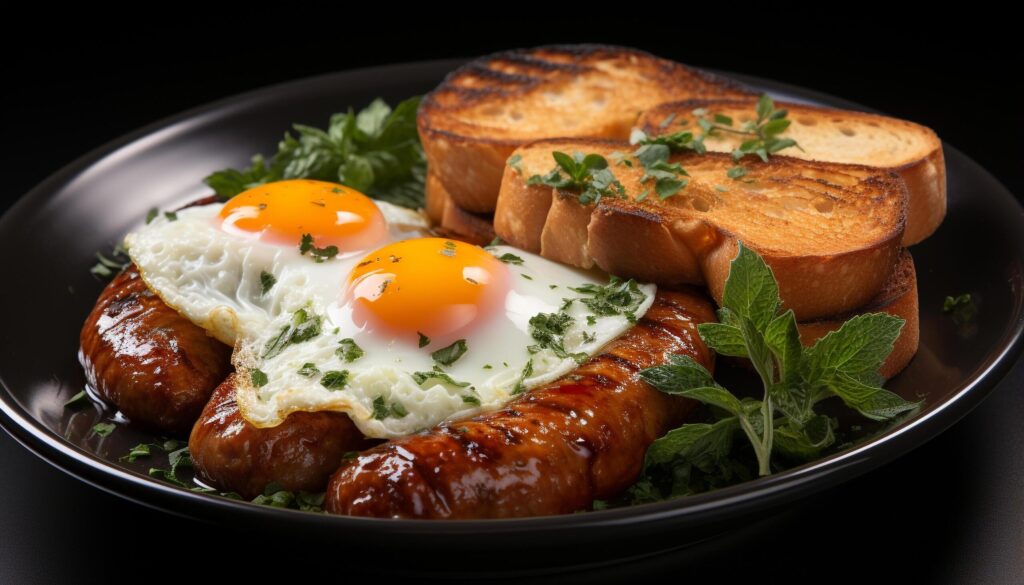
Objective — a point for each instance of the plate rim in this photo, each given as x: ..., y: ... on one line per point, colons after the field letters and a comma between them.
x: 717, y: 505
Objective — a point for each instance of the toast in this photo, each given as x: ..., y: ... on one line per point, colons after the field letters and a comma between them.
x: 898, y: 297
x: 482, y: 111
x: 831, y: 233
x: 840, y: 136
x: 452, y: 219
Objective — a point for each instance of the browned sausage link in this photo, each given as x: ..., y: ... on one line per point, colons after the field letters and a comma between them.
x: 144, y: 357
x: 298, y: 454
x: 553, y: 451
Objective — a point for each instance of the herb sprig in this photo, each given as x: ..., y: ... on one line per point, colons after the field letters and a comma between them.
x: 589, y: 174
x: 376, y: 151
x: 783, y: 422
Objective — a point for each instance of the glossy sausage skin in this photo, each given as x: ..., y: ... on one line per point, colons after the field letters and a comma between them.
x: 142, y: 356
x: 299, y: 454
x: 552, y: 451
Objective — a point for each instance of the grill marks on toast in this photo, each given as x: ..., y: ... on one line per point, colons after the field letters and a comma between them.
x: 482, y: 111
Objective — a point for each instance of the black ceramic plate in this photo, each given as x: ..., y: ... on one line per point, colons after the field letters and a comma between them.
x: 49, y: 237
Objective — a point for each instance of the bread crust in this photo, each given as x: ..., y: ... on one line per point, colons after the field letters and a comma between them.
x: 652, y: 243
x: 467, y: 149
x: 452, y: 219
x: 922, y: 166
x: 898, y: 297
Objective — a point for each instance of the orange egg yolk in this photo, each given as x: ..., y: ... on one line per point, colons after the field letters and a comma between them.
x: 430, y: 286
x: 283, y: 211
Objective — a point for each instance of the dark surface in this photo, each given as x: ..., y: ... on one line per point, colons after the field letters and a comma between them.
x: 953, y: 507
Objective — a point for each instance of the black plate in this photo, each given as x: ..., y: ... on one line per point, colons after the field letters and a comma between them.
x: 50, y: 236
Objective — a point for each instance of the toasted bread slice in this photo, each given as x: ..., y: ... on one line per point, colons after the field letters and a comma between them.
x: 452, y: 219
x: 830, y: 232
x: 471, y: 123
x: 841, y: 136
x: 898, y: 297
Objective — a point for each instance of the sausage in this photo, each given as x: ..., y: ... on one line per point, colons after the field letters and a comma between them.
x: 552, y: 451
x: 299, y: 454
x: 142, y: 356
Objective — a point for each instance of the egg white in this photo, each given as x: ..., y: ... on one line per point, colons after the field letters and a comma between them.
x: 494, y: 365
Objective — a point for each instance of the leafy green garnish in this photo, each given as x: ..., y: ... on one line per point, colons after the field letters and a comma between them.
x: 276, y: 496
x: 109, y: 267
x: 548, y: 330
x: 77, y: 401
x: 382, y: 410
x: 178, y: 459
x: 509, y: 258
x: 447, y: 356
x: 784, y: 423
x: 319, y: 254
x: 376, y: 151
x: 349, y: 351
x: 520, y: 386
x: 618, y: 297
x: 763, y: 132
x: 302, y: 328
x: 961, y: 308
x: 259, y: 378
x: 104, y: 429
x: 334, y: 379
x: 424, y: 340
x: 588, y: 174
x: 308, y: 370
x: 140, y: 450
x: 267, y: 282
x: 438, y: 376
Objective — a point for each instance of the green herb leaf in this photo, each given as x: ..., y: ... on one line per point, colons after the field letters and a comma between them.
x: 308, y: 370
x: 509, y: 258
x: 77, y: 401
x: 750, y: 289
x: 424, y: 340
x: 319, y: 254
x: 447, y: 356
x: 267, y: 282
x: 259, y: 379
x: 103, y: 429
x: 303, y: 327
x: 334, y: 379
x: 436, y: 376
x: 349, y: 351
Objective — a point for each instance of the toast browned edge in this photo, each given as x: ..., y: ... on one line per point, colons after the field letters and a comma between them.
x: 470, y: 167
x: 925, y: 178
x: 632, y: 240
x: 898, y: 297
x: 451, y: 220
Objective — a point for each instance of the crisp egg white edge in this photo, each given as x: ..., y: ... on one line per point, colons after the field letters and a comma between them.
x: 223, y: 322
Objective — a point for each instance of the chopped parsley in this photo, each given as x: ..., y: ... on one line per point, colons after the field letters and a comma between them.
x: 302, y: 328
x: 318, y: 254
x: 447, y: 356
x: 349, y: 351
x: 618, y: 297
x: 509, y: 258
x: 520, y: 386
x: 259, y: 379
x: 308, y: 370
x: 334, y: 379
x: 423, y: 377
x: 589, y: 174
x: 424, y: 340
x: 267, y: 282
x: 382, y: 410
x: 104, y: 429
x: 77, y: 401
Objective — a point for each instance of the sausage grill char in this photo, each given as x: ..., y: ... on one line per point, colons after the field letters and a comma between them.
x: 552, y: 451
x: 153, y: 364
x: 299, y: 454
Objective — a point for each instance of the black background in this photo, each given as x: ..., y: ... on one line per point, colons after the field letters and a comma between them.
x: 950, y: 512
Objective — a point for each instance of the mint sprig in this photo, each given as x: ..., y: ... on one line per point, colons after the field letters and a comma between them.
x: 842, y: 364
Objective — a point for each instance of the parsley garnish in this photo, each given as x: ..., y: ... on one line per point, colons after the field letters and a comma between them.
x: 844, y: 364
x: 334, y: 379
x: 276, y: 496
x: 308, y: 370
x: 763, y: 132
x: 423, y: 377
x: 112, y: 266
x: 151, y: 215
x: 514, y: 160
x: 318, y: 254
x: 77, y: 401
x: 447, y: 356
x: 961, y: 308
x: 267, y: 282
x: 548, y: 330
x: 509, y: 258
x: 171, y: 216
x: 376, y: 151
x: 348, y: 350
x: 104, y: 429
x: 381, y: 409
x: 588, y: 174
x: 424, y: 340
x: 520, y: 386
x: 618, y: 297
x: 302, y: 328
x: 259, y: 378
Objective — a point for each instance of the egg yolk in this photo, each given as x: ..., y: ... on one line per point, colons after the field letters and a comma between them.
x: 282, y: 212
x: 430, y: 286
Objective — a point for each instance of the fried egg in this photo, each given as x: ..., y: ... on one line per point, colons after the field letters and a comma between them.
x: 335, y: 302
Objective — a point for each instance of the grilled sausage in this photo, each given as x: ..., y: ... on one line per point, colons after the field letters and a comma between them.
x: 552, y: 451
x: 298, y: 454
x: 153, y: 364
